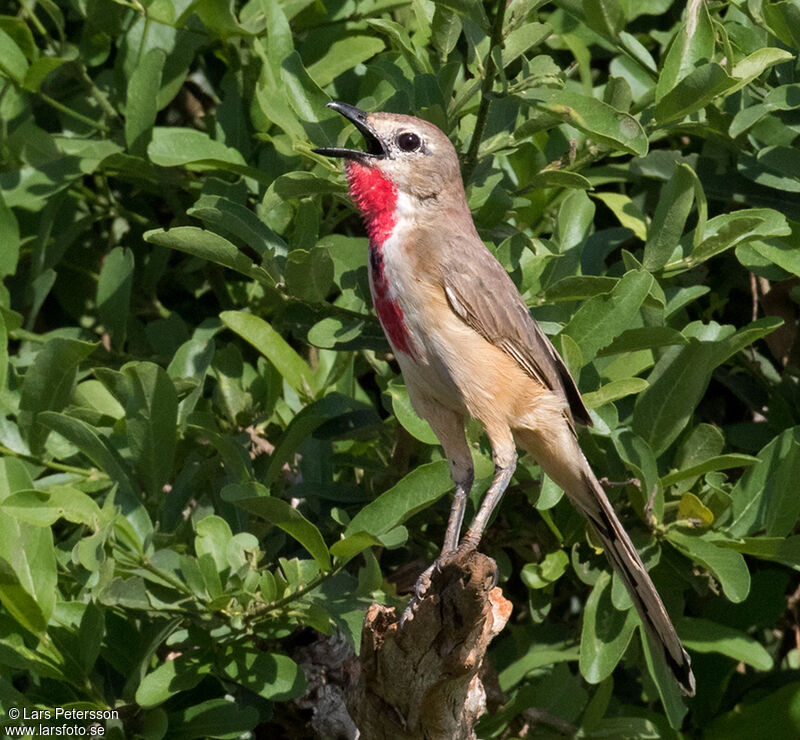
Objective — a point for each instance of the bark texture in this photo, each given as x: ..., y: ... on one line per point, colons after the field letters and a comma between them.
x: 422, y: 681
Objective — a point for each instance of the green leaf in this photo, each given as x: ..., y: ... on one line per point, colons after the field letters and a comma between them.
x: 226, y: 215
x: 3, y: 353
x: 347, y: 334
x: 255, y: 498
x: 692, y: 46
x: 784, y: 550
x: 446, y: 29
x: 212, y: 541
x: 346, y: 549
x: 9, y: 237
x: 342, y: 55
x: 704, y: 636
x: 701, y: 86
x: 114, y: 293
x: 626, y: 211
x: 309, y: 274
x: 521, y: 39
x: 408, y: 418
x: 294, y: 185
x: 604, y: 16
x: 559, y: 179
x: 579, y: 287
x: 13, y: 63
x: 89, y: 442
x: 727, y: 566
x: 729, y: 229
x: 182, y: 673
x: 27, y: 557
x: 151, y: 418
x: 413, y: 493
x: 43, y: 508
x: 680, y: 377
x: 209, y: 246
x: 785, y: 254
x: 671, y: 698
x: 305, y: 96
x: 271, y: 676
x: 48, y: 386
x: 532, y: 655
x: 763, y: 498
x: 472, y: 9
x: 401, y: 42
x: 753, y: 65
x: 273, y: 346
x: 606, y: 632
x: 669, y: 220
x: 91, y: 634
x: 332, y: 407
x: 173, y: 146
x: 771, y: 167
x: 547, y: 572
x: 141, y: 103
x: 23, y: 607
x: 640, y: 459
x: 720, y: 462
x: 613, y: 391
x: 776, y: 715
x: 605, y: 125
x: 643, y: 337
x: 218, y: 718
x: 602, y: 318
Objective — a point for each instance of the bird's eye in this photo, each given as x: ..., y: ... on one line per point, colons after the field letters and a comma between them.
x: 408, y: 142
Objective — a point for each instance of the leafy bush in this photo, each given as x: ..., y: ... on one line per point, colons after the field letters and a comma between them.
x: 208, y: 453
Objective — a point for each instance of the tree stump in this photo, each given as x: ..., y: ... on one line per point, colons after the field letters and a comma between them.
x: 422, y: 680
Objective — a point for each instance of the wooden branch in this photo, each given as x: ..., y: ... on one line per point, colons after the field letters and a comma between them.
x: 422, y: 680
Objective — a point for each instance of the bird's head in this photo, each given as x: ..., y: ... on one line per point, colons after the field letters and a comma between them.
x: 413, y: 155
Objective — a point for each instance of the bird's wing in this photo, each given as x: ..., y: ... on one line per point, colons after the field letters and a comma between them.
x: 482, y: 294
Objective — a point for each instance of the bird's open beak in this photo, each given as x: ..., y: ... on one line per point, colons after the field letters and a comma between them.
x: 375, y: 148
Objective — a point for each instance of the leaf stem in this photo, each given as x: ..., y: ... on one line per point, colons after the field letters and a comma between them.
x: 260, y: 610
x: 495, y: 43
x: 73, y: 114
x: 86, y: 472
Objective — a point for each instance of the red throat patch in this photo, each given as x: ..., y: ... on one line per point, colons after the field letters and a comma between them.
x: 376, y: 198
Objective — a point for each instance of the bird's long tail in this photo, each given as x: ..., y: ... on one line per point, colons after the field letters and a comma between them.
x: 587, y: 495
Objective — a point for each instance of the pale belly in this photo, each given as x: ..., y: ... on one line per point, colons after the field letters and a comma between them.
x: 411, y: 315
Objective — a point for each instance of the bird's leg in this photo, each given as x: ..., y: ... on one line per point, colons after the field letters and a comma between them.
x: 503, y: 470
x: 454, y: 522
x: 457, y: 509
x: 448, y: 427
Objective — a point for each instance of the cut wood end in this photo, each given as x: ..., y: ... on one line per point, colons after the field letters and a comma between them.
x: 422, y: 680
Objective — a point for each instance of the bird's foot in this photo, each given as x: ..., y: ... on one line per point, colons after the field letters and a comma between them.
x: 423, y: 584
x: 420, y: 589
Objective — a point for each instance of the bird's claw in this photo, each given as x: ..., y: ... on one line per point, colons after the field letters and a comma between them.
x: 420, y: 589
x: 423, y: 583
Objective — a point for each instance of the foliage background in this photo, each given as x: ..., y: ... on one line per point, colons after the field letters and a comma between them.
x: 208, y: 454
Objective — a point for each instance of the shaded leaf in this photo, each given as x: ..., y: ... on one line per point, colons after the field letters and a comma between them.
x: 256, y: 499
x: 416, y: 491
x: 727, y: 566
x: 606, y: 633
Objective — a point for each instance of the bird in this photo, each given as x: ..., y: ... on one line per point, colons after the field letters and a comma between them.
x: 467, y: 346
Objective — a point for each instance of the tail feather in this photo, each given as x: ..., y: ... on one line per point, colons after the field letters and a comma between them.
x: 560, y: 456
x: 625, y: 560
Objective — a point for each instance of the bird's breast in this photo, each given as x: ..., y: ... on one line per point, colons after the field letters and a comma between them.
x: 413, y: 311
x: 387, y: 303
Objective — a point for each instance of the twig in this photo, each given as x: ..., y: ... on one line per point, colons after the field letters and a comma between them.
x: 488, y: 81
